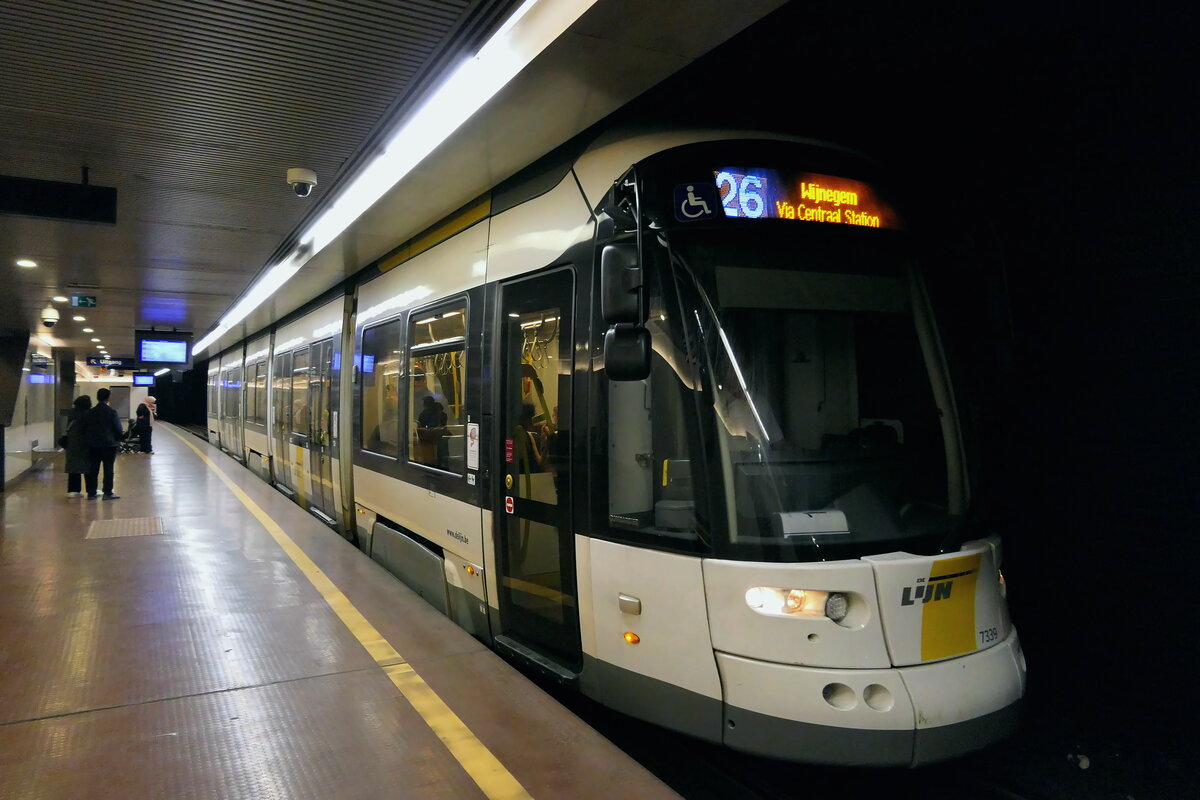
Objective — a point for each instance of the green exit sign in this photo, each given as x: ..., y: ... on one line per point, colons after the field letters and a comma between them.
x: 83, y: 301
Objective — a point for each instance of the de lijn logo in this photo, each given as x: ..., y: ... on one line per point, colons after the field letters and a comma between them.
x: 935, y: 588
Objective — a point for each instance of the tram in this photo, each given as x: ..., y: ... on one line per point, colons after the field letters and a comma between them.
x: 671, y: 421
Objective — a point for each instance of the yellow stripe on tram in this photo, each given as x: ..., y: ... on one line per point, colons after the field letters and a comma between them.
x: 948, y: 621
x: 493, y: 779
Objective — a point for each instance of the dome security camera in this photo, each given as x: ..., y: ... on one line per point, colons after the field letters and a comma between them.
x: 302, y: 181
x: 49, y: 316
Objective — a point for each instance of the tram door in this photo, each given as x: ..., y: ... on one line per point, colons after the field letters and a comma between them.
x: 534, y: 538
x: 320, y: 442
x: 300, y: 422
x: 281, y: 394
x: 235, y: 413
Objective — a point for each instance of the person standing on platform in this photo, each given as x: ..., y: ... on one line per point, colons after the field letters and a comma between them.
x: 102, y: 431
x: 78, y: 461
x: 144, y: 425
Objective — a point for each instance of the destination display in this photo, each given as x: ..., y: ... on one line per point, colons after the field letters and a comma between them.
x: 162, y: 351
x: 154, y: 349
x: 759, y: 193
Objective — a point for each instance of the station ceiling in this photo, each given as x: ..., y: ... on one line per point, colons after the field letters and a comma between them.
x: 194, y: 111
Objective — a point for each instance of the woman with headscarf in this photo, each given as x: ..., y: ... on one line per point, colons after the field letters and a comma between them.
x: 78, y: 452
x: 144, y: 425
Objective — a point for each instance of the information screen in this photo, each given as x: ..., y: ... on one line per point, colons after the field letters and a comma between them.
x: 164, y: 351
x: 760, y: 193
x: 143, y: 380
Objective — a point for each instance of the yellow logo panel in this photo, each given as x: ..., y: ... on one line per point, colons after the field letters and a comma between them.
x: 948, y: 616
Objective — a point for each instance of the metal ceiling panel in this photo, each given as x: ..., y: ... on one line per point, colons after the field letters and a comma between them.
x: 194, y: 111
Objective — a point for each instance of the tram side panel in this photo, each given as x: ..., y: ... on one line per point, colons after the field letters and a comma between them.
x: 645, y: 630
x: 416, y: 398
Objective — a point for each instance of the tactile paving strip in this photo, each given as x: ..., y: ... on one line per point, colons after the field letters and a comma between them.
x: 134, y: 526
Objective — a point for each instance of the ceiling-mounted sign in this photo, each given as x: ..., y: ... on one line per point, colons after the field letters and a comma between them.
x: 110, y: 363
x: 162, y: 349
x: 83, y: 301
x: 78, y: 202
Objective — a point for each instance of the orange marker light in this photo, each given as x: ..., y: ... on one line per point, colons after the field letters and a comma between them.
x: 632, y: 637
x: 470, y: 570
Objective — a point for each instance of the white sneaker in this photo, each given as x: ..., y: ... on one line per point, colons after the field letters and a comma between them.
x: 74, y: 494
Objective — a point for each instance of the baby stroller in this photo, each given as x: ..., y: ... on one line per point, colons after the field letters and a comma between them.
x: 131, y: 442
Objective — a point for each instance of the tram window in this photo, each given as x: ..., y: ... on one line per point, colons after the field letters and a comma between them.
x: 436, y: 405
x: 319, y: 391
x: 232, y: 408
x: 260, y: 402
x: 227, y: 404
x: 650, y: 475
x: 540, y: 443
x: 281, y: 391
x: 379, y: 372
x: 256, y: 388
x: 212, y: 394
x: 250, y: 387
x: 300, y: 411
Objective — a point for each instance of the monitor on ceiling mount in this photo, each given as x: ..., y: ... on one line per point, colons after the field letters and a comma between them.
x: 154, y: 349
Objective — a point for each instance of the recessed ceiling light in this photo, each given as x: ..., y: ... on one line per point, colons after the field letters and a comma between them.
x: 26, y: 263
x: 101, y: 347
x: 78, y: 318
x: 95, y: 339
x: 89, y: 330
x: 58, y: 298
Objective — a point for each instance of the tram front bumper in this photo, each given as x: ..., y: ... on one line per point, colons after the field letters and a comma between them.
x: 891, y: 717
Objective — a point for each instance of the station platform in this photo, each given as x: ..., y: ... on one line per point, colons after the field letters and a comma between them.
x: 203, y: 637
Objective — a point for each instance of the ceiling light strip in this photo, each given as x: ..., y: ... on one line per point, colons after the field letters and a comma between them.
x: 528, y: 32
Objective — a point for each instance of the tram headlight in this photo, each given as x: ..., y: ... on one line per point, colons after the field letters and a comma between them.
x: 772, y: 601
x: 837, y: 606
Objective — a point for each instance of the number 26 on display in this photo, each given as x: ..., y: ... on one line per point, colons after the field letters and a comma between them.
x: 741, y: 195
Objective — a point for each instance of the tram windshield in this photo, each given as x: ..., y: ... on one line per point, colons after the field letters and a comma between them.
x: 831, y: 442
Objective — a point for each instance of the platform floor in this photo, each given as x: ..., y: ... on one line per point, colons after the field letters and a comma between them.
x: 183, y: 652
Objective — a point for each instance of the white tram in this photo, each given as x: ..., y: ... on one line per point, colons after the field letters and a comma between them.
x: 673, y: 423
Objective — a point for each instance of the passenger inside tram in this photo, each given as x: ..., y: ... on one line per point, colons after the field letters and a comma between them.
x: 542, y: 381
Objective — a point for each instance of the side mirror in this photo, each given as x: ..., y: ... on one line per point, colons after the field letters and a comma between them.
x: 621, y: 285
x: 627, y: 353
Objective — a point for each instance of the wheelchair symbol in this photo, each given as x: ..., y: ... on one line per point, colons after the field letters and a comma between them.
x: 695, y: 201
x: 694, y: 207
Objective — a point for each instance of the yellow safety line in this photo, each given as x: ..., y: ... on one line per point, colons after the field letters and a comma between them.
x: 493, y: 779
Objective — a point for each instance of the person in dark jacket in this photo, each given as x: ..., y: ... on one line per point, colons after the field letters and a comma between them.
x: 78, y: 461
x: 144, y: 426
x: 103, y: 432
